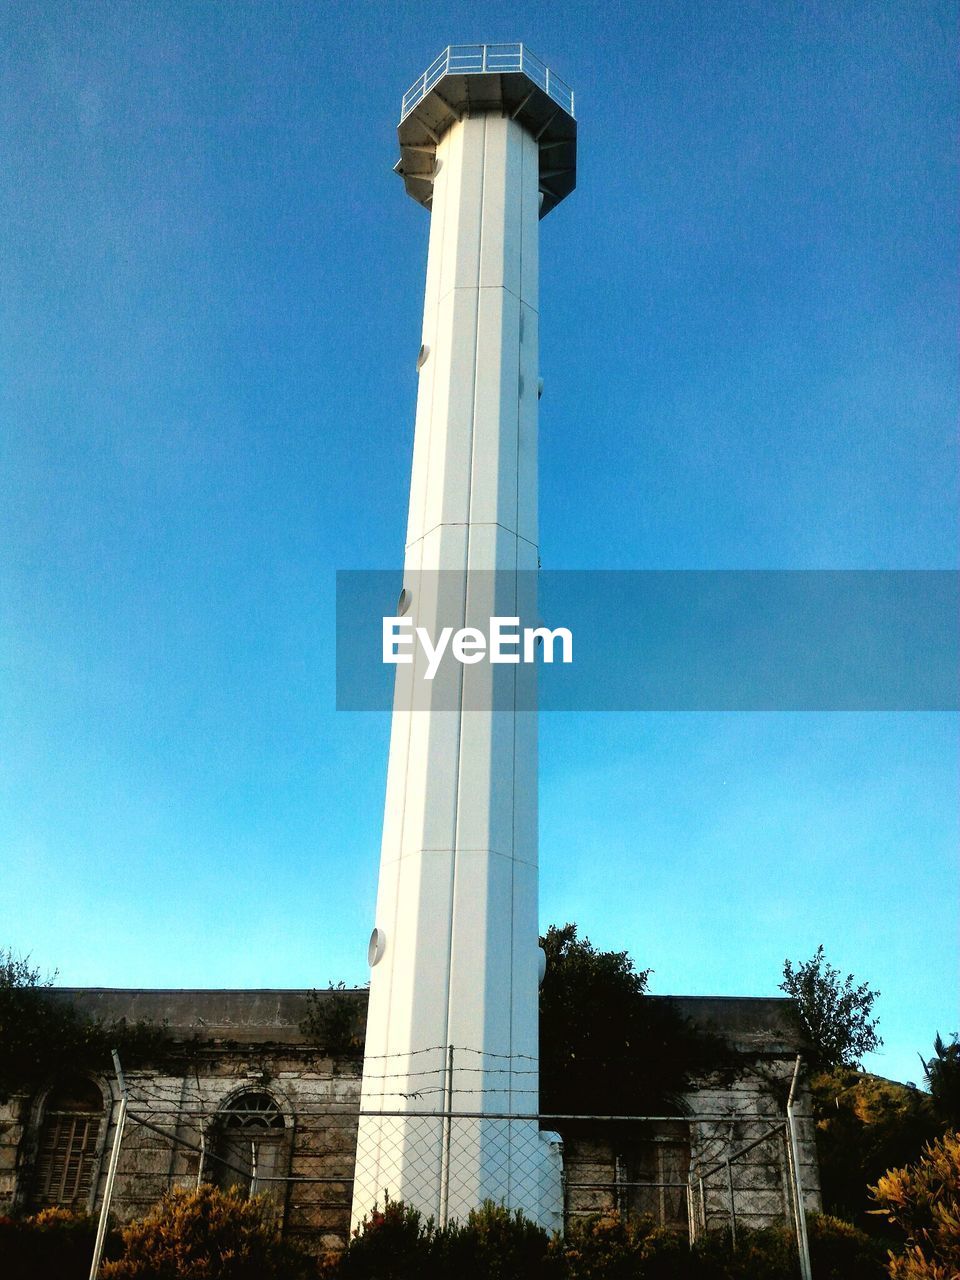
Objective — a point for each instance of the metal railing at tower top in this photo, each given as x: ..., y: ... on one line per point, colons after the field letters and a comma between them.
x: 487, y: 59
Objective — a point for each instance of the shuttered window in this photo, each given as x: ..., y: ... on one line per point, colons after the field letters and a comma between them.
x: 69, y: 1141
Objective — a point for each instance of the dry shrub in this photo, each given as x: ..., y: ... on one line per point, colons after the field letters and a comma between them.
x: 206, y: 1234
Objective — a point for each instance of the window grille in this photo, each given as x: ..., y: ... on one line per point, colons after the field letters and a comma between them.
x: 652, y: 1178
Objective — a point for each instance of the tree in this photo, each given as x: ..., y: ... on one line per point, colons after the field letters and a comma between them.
x: 38, y: 1035
x: 833, y: 1015
x: 865, y: 1125
x: 923, y: 1200
x: 42, y: 1036
x: 943, y: 1080
x: 605, y: 1045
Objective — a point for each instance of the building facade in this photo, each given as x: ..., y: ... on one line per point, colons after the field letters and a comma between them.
x: 246, y: 1098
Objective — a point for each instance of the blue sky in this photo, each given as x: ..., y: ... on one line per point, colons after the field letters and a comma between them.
x: 209, y: 316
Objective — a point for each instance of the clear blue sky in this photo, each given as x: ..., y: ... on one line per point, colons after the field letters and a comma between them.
x: 209, y: 316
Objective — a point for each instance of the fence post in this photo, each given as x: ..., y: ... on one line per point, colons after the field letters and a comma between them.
x: 691, y: 1221
x: 733, y: 1210
x: 786, y: 1175
x: 447, y: 1136
x: 803, y: 1246
x: 111, y: 1170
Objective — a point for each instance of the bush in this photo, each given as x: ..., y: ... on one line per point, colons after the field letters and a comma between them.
x: 841, y: 1251
x: 335, y: 1021
x: 495, y: 1244
x: 923, y: 1200
x: 205, y: 1235
x: 398, y: 1243
x: 56, y: 1242
x: 209, y: 1235
x: 610, y: 1248
x: 605, y: 1248
x: 769, y: 1253
x: 395, y: 1243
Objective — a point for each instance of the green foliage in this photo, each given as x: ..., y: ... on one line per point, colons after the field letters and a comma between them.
x: 865, y: 1125
x: 334, y: 1021
x: 838, y: 1251
x: 605, y: 1046
x: 943, y: 1080
x: 611, y: 1248
x: 206, y: 1235
x: 769, y: 1253
x: 494, y: 1244
x: 56, y: 1242
x: 841, y: 1251
x: 398, y: 1243
x: 42, y: 1036
x: 395, y: 1243
x: 923, y: 1201
x: 833, y: 1015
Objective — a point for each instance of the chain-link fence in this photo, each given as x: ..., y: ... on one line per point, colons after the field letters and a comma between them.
x: 302, y: 1150
x: 445, y: 1163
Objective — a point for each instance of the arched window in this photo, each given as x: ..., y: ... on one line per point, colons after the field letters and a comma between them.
x: 248, y: 1137
x: 69, y: 1144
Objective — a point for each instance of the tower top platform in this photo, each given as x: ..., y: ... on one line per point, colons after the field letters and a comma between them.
x: 471, y: 79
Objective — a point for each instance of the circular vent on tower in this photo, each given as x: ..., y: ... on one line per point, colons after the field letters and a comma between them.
x: 378, y: 944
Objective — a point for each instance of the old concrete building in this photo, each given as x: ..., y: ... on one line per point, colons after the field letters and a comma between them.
x: 727, y: 1159
x: 243, y: 1098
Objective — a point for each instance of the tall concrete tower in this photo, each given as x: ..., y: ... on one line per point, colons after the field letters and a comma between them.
x: 450, y: 1078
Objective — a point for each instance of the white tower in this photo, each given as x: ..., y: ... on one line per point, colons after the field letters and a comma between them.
x: 488, y: 144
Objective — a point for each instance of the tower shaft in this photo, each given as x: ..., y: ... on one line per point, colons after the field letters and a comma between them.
x: 451, y: 1041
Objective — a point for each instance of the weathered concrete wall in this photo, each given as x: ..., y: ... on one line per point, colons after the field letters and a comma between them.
x: 318, y: 1099
x: 13, y: 1149
x: 755, y: 1104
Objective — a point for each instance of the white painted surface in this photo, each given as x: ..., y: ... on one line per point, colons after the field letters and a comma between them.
x: 457, y: 897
